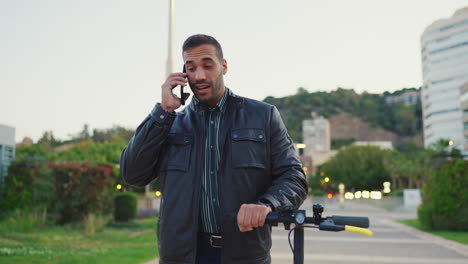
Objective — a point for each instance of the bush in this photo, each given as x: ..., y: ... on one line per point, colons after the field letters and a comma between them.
x: 29, y: 188
x: 444, y: 198
x: 82, y: 189
x: 70, y: 191
x: 125, y: 206
x: 318, y: 193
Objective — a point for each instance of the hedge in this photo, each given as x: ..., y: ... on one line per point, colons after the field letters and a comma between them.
x: 445, y: 199
x: 126, y: 206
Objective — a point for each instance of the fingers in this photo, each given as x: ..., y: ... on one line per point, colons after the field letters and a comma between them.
x: 175, y: 79
x: 251, y: 216
x: 169, y: 101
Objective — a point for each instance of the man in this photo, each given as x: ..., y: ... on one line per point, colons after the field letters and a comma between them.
x: 223, y: 155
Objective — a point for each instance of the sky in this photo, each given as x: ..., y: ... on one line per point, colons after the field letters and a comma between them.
x: 67, y: 63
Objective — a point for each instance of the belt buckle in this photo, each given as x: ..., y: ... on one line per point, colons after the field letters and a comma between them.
x: 212, y: 242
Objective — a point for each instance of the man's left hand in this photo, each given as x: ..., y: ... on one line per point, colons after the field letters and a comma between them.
x: 251, y: 215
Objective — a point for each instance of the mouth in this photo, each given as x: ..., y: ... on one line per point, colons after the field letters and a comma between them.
x: 202, y: 87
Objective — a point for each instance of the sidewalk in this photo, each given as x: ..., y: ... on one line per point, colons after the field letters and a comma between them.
x: 392, y: 242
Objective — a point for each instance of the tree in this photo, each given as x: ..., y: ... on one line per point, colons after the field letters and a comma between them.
x: 358, y: 167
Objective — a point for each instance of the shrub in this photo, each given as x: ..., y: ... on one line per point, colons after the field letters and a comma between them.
x: 444, y: 197
x: 125, y: 206
x: 70, y: 191
x: 82, y: 189
x: 318, y: 193
x: 29, y: 188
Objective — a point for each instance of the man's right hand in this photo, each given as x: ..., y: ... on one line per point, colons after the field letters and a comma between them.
x: 170, y: 101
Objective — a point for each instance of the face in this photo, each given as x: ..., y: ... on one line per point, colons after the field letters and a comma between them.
x: 205, y: 73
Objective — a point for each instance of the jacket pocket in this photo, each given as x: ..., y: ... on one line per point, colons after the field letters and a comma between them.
x: 177, y: 156
x: 248, y: 148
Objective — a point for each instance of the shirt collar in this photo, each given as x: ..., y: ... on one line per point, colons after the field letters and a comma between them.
x: 221, y: 105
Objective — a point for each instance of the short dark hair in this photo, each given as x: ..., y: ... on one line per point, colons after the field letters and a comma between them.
x: 201, y: 39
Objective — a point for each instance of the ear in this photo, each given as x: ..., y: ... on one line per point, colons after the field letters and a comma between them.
x: 225, y: 67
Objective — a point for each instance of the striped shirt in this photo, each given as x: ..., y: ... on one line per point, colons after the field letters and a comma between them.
x: 210, y: 208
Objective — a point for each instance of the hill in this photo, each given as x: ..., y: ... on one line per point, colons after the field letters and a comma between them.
x: 403, y: 121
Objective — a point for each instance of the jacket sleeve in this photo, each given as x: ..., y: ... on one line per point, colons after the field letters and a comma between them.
x: 289, y: 187
x: 140, y: 158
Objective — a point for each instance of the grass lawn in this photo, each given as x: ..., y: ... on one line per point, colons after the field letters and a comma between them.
x: 457, y: 236
x: 134, y: 242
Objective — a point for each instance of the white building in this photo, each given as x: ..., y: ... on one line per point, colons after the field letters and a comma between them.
x: 380, y: 144
x: 464, y: 108
x: 407, y: 98
x: 445, y: 69
x: 316, y: 135
x: 7, y: 150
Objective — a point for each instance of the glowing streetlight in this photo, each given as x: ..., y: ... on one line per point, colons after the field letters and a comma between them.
x: 118, y: 187
x: 358, y: 195
x: 366, y: 194
x: 300, y: 146
x: 376, y: 195
x: 157, y: 193
x: 349, y: 196
x: 326, y: 179
x: 386, y: 186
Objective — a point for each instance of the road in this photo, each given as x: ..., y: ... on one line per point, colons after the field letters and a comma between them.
x: 391, y: 243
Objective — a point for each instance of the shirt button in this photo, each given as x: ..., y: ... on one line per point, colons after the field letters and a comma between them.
x: 260, y: 136
x: 212, y: 172
x: 235, y: 136
x: 212, y: 122
x: 161, y: 116
x: 211, y: 147
x: 214, y: 200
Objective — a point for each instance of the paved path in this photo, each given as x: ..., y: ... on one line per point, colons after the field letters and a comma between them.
x: 391, y: 243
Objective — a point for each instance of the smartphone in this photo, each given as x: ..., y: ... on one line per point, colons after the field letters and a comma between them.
x: 182, y: 97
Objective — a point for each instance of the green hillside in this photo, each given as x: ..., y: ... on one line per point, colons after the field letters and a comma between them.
x: 398, y: 118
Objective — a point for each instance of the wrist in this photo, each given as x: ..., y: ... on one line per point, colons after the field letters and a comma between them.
x: 167, y: 108
x: 266, y: 203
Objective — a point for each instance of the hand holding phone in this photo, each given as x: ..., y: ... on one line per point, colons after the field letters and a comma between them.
x: 170, y: 101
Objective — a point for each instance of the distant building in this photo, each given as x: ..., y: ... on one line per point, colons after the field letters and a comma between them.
x: 380, y: 144
x: 27, y: 141
x: 444, y: 50
x: 407, y: 98
x: 316, y: 134
x: 316, y: 137
x: 464, y: 108
x: 7, y: 150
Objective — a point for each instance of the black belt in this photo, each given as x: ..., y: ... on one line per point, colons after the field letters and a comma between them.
x: 215, y: 240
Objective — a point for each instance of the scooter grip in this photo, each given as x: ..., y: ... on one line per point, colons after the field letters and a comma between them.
x: 351, y: 220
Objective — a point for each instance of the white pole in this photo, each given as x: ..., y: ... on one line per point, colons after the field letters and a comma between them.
x: 169, y: 66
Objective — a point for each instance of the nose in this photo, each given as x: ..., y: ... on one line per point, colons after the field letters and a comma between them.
x: 200, y: 75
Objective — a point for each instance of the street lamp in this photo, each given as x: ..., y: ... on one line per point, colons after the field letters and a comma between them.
x: 301, y: 148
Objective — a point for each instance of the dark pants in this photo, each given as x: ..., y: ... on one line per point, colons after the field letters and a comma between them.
x: 206, y: 254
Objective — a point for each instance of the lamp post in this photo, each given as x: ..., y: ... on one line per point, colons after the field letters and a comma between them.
x: 301, y: 148
x: 169, y: 65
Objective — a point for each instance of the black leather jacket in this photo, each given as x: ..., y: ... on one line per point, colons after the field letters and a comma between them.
x: 258, y: 161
